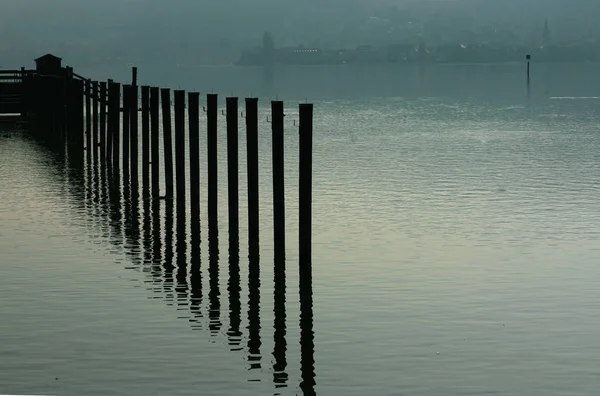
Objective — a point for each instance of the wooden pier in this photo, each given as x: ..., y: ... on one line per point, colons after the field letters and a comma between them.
x: 94, y: 124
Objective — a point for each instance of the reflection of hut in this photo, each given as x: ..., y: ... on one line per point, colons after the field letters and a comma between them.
x: 48, y: 64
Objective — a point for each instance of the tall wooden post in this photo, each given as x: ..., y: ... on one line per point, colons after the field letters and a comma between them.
x: 232, y: 168
x: 133, y: 130
x: 126, y: 133
x: 168, y: 140
x: 134, y: 73
x: 115, y: 110
x: 88, y: 121
x: 211, y: 123
x: 179, y: 98
x: 95, y: 122
x: 252, y: 168
x: 305, y: 206
x: 307, y: 345
x: 76, y: 145
x: 145, y: 140
x: 154, y: 139
x: 194, y: 139
x: 528, y: 57
x: 278, y: 180
x: 102, y: 97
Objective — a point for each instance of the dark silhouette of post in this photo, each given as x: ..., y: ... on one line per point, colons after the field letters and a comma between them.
x: 88, y: 120
x: 145, y: 141
x: 154, y: 139
x: 102, y: 132
x: 278, y: 179
x: 126, y: 138
x: 179, y: 97
x: 211, y: 124
x: 115, y: 104
x: 307, y: 347
x: 134, y: 73
x: 194, y: 139
x: 133, y: 131
x: 252, y: 168
x: 528, y: 57
x: 305, y: 205
x: 167, y: 140
x: 76, y: 132
x: 95, y: 97
x: 232, y: 168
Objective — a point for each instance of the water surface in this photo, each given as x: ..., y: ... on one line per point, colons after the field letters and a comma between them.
x: 455, y: 252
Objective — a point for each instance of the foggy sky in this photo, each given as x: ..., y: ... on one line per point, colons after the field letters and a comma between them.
x: 217, y: 30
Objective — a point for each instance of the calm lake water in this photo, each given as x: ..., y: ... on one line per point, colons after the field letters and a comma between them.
x: 456, y: 249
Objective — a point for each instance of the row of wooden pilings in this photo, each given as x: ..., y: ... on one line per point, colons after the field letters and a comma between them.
x: 111, y: 139
x: 98, y: 123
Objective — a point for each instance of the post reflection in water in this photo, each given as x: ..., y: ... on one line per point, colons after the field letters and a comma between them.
x: 280, y: 376
x: 195, y: 277
x: 132, y: 225
x: 168, y: 258
x: 307, y: 344
x: 181, y: 248
x: 114, y: 197
x: 147, y: 234
x: 214, y: 310
x: 155, y: 268
x: 254, y: 357
x: 234, y: 335
x: 104, y: 191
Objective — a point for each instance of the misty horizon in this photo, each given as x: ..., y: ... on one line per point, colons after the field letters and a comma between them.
x: 200, y: 32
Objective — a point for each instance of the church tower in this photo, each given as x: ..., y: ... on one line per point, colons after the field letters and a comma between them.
x: 546, y: 34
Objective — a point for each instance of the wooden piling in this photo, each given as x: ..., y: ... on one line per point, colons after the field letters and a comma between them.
x: 232, y: 167
x: 154, y: 139
x: 115, y: 105
x: 305, y: 205
x: 102, y: 131
x: 95, y: 122
x: 278, y: 180
x: 134, y: 73
x: 88, y: 121
x: 133, y: 133
x: 168, y: 140
x: 145, y: 140
x: 211, y: 124
x: 179, y: 99
x: 76, y: 138
x: 307, y: 346
x: 252, y: 168
x: 194, y: 139
x: 126, y: 134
